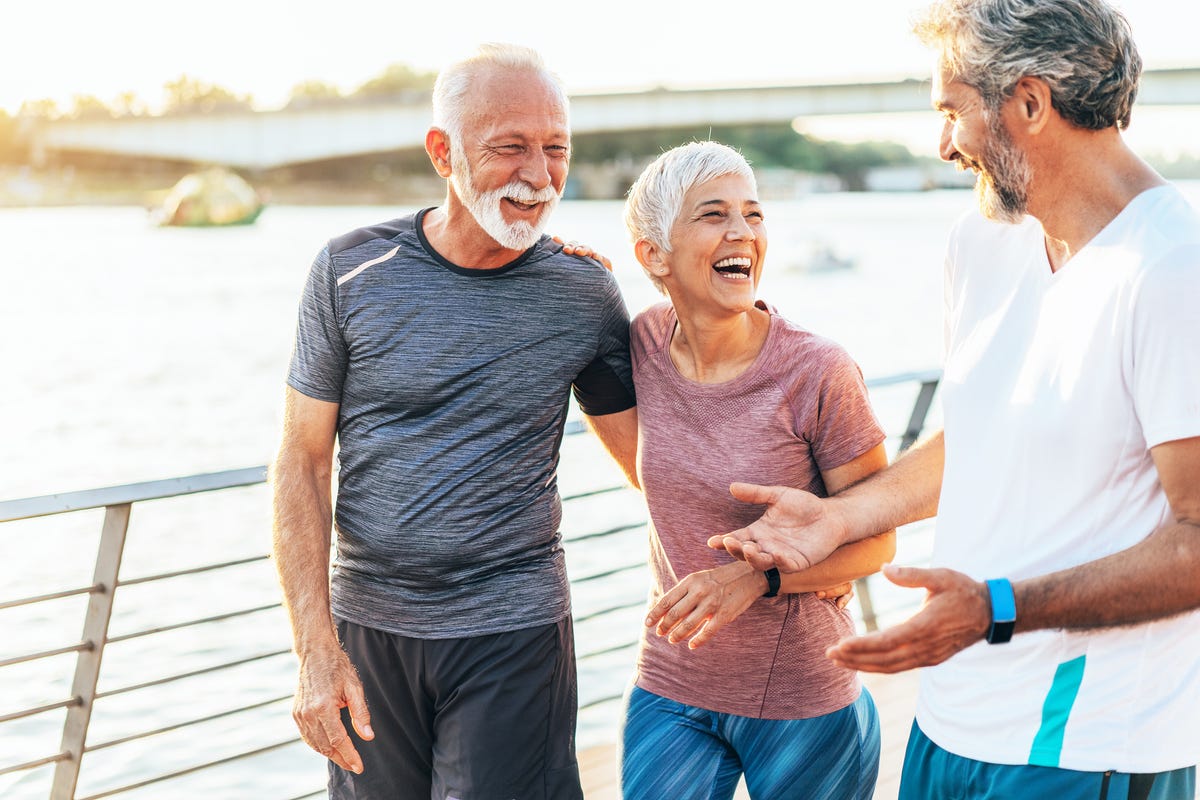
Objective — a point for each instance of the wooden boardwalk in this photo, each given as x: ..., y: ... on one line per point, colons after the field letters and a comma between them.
x: 895, y: 696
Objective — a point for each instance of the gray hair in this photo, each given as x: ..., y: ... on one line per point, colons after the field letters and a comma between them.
x: 656, y: 197
x: 1083, y: 49
x: 451, y: 91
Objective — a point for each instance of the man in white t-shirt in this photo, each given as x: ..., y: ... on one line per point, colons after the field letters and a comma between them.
x: 1067, y: 479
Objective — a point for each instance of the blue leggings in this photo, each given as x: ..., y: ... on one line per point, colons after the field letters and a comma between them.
x: 674, y: 750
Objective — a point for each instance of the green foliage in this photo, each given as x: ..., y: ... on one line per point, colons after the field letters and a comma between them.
x: 396, y: 79
x: 764, y: 146
x: 86, y: 106
x: 187, y: 94
x: 313, y: 92
x: 42, y: 109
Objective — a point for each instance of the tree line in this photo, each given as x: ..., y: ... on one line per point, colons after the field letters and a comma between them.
x: 763, y: 145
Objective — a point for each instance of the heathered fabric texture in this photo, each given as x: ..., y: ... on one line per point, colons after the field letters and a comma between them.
x: 453, y: 387
x: 800, y: 408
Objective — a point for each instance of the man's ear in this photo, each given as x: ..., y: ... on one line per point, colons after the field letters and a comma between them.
x: 650, y: 256
x: 437, y: 145
x: 1033, y: 103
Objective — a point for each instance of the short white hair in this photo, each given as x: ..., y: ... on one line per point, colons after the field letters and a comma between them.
x: 656, y: 197
x: 451, y: 91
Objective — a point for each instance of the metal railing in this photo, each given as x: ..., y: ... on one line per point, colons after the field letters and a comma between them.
x: 602, y: 584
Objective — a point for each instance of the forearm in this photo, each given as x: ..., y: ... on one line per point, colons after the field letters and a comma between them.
x: 301, y: 542
x: 1158, y: 577
x: 904, y: 492
x: 848, y: 563
x: 618, y: 433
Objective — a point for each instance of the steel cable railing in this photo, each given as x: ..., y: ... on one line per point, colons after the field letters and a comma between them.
x: 118, y: 501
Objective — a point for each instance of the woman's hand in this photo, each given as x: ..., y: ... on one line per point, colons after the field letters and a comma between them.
x: 577, y: 249
x: 841, y: 595
x: 706, y: 601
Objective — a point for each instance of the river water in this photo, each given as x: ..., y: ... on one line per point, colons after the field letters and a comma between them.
x: 132, y: 353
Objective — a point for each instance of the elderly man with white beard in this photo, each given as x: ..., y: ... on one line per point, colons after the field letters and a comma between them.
x: 440, y: 350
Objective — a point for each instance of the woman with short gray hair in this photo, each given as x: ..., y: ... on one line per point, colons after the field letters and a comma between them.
x: 727, y: 388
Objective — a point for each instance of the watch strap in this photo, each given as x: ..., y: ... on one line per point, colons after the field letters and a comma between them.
x: 772, y: 582
x: 1004, y: 610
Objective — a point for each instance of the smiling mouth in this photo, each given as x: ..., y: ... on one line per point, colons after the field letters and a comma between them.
x: 523, y: 206
x: 736, y: 268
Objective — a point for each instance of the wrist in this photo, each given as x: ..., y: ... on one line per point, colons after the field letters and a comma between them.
x: 772, y: 579
x: 845, y: 516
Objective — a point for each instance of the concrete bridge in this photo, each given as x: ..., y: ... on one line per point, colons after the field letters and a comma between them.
x: 264, y: 140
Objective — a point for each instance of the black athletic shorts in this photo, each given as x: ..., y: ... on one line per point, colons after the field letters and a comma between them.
x: 481, y: 718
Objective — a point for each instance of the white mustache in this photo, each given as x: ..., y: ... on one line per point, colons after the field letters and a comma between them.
x: 524, y: 193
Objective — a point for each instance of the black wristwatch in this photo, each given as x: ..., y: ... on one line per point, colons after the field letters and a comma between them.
x: 772, y: 582
x: 1004, y: 611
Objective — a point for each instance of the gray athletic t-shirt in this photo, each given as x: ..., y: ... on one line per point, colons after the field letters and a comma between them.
x: 453, y: 387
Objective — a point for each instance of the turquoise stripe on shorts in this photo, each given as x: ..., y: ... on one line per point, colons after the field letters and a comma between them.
x: 932, y: 773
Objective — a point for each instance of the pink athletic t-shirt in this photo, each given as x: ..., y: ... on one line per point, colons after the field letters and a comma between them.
x: 800, y: 408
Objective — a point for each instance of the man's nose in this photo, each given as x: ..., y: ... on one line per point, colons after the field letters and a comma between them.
x: 536, y: 169
x: 946, y: 149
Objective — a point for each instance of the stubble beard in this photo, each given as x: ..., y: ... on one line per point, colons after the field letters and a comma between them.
x: 1004, y: 175
x: 485, y: 206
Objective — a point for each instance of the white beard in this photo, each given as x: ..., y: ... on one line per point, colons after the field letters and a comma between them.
x: 485, y: 206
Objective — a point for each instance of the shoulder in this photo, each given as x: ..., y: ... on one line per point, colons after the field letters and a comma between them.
x: 972, y: 230
x: 383, y: 233
x: 651, y: 327
x: 351, y: 253
x: 576, y: 279
x: 1167, y: 230
x: 793, y: 342
x: 549, y: 252
x: 804, y: 363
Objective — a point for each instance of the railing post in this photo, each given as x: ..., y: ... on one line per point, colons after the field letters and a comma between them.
x: 916, y: 420
x: 862, y: 590
x: 87, y: 665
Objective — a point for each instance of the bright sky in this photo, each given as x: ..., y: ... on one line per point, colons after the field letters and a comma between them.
x: 265, y: 47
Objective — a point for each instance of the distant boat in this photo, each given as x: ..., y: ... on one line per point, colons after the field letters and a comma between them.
x: 813, y: 256
x: 213, y: 197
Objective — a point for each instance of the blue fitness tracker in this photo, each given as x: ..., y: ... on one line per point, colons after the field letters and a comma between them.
x: 1004, y: 610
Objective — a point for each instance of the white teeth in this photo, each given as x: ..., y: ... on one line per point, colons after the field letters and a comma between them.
x: 732, y: 262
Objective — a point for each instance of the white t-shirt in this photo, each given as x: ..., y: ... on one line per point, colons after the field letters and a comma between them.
x: 1056, y: 386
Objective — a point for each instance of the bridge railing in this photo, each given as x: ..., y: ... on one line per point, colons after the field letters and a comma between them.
x: 608, y: 591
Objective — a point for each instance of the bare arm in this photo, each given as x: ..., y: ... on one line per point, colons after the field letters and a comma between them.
x: 704, y: 602
x: 799, y: 529
x: 1158, y: 577
x: 857, y: 559
x: 1153, y: 579
x: 303, y: 522
x: 619, y: 434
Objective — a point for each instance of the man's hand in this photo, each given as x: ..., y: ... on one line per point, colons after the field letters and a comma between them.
x: 956, y: 614
x: 577, y: 249
x: 798, y: 530
x: 328, y: 683
x: 704, y: 602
